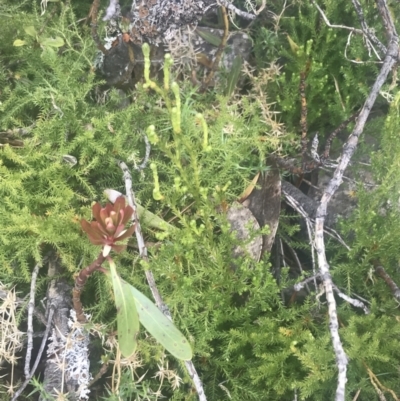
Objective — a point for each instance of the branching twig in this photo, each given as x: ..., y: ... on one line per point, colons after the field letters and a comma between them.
x: 367, y: 31
x: 354, y: 302
x: 234, y: 9
x: 149, y: 275
x: 39, y: 355
x: 299, y: 209
x: 31, y: 307
x: 379, y: 387
x: 349, y: 28
x: 391, y: 59
x: 299, y: 286
x: 296, y: 258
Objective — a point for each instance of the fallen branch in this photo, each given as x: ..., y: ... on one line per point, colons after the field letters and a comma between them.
x: 149, y: 275
x: 391, y: 59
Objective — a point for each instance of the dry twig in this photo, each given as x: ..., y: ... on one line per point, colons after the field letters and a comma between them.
x: 392, y: 57
x: 366, y: 30
x: 38, y: 357
x: 149, y: 275
x: 352, y: 301
x: 235, y: 10
x: 31, y: 307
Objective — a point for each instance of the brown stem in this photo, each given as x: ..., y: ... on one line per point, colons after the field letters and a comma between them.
x: 334, y: 133
x: 381, y: 272
x: 80, y: 282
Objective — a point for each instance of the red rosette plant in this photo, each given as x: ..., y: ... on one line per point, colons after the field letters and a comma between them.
x: 108, y: 228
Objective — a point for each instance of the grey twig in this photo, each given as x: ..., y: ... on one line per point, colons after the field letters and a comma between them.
x: 38, y: 357
x: 236, y: 10
x: 149, y: 275
x: 354, y: 302
x: 391, y: 58
x: 299, y: 286
x: 146, y: 156
x: 367, y: 31
x: 299, y: 209
x: 31, y: 307
x: 325, y: 18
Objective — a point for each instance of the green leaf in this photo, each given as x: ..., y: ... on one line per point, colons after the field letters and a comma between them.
x: 161, y: 328
x: 53, y: 42
x: 30, y: 30
x: 233, y: 76
x: 19, y: 42
x: 48, y: 53
x: 209, y: 37
x: 127, y: 316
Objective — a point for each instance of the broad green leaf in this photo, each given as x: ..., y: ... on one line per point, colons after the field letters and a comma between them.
x: 19, y: 42
x: 30, y: 30
x: 148, y: 218
x: 127, y: 316
x: 161, y: 328
x: 209, y: 37
x: 53, y: 42
x: 48, y: 52
x: 233, y: 76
